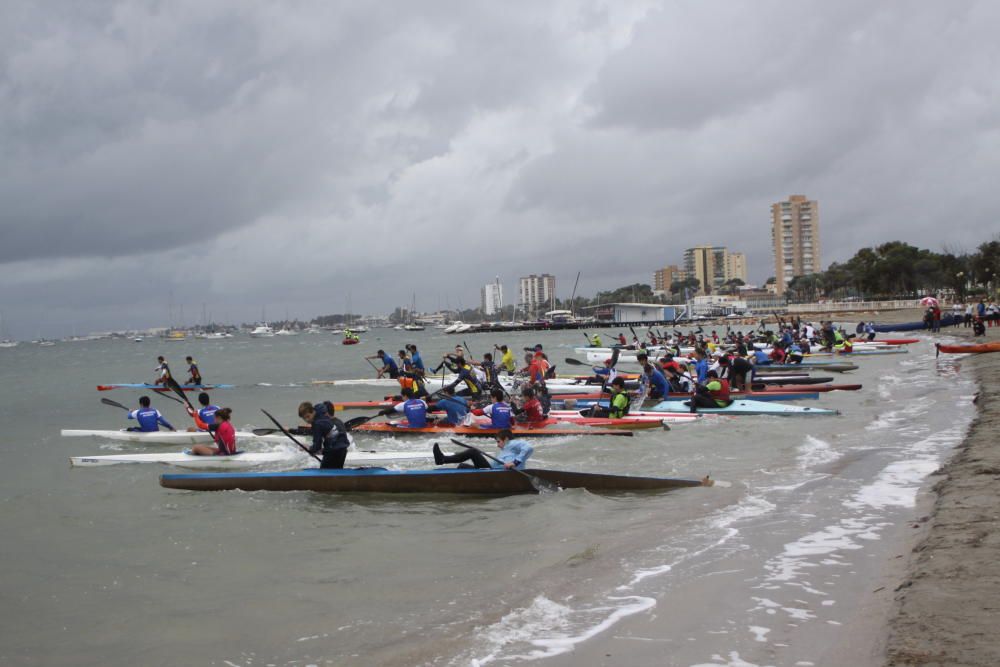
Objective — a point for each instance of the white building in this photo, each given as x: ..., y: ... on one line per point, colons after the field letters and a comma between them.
x: 536, y: 293
x: 492, y: 295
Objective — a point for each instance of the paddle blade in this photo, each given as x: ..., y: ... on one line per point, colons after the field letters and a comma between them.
x: 358, y: 421
x: 540, y: 485
x: 114, y: 404
x: 574, y: 362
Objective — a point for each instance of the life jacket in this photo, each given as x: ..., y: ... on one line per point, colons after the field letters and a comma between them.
x: 722, y: 393
x: 465, y: 372
x: 616, y: 412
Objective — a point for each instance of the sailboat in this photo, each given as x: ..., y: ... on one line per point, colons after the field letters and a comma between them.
x: 6, y: 342
x: 412, y: 325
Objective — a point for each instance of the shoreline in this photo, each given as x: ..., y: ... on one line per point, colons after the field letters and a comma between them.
x: 946, y: 607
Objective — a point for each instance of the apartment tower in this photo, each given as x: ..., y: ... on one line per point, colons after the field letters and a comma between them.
x: 714, y: 266
x: 536, y: 293
x: 795, y: 239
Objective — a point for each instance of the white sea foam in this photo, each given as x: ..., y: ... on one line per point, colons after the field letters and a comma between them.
x: 734, y: 660
x: 814, y: 452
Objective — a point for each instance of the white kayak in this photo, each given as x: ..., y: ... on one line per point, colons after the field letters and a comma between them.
x: 165, y: 437
x: 639, y: 415
x: 237, y: 461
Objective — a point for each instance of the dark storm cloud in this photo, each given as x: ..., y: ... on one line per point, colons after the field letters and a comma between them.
x: 260, y: 154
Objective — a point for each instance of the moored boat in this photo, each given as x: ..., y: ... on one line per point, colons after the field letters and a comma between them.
x: 450, y: 480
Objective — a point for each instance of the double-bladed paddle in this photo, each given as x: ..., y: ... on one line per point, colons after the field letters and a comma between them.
x: 114, y: 404
x: 290, y: 436
x: 541, y: 485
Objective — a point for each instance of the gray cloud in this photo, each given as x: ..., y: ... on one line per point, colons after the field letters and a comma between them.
x: 252, y: 154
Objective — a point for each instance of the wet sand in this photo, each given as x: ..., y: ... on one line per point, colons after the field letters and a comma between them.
x: 933, y: 601
x: 947, y: 605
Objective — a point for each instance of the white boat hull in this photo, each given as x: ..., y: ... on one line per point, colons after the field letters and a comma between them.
x: 165, y: 437
x: 238, y: 461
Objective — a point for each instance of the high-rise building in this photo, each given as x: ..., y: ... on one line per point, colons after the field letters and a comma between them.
x: 795, y: 239
x: 492, y: 294
x: 713, y: 267
x: 536, y: 293
x: 665, y: 277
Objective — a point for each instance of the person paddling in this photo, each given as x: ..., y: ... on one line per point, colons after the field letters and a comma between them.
x: 224, y: 436
x: 204, y: 418
x: 149, y: 418
x: 513, y: 454
x: 194, y: 374
x: 388, y: 365
x: 499, y: 413
x: 328, y: 434
x: 618, y: 405
x: 413, y: 408
x: 162, y: 372
x: 713, y: 394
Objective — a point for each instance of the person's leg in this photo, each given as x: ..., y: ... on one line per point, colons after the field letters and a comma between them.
x: 477, y: 459
x: 333, y: 459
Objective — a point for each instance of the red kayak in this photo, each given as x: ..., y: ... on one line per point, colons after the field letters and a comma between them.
x: 970, y: 348
x: 350, y: 341
x: 535, y: 430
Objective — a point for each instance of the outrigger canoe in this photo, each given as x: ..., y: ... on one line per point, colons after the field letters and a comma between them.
x: 475, y: 431
x: 449, y: 480
x: 806, y: 366
x: 946, y: 321
x: 160, y: 387
x: 745, y: 407
x: 979, y: 348
x: 164, y: 437
x: 238, y: 461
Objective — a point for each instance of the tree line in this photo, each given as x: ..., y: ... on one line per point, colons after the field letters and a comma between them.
x: 900, y: 270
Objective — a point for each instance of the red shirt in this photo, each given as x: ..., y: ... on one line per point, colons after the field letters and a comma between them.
x: 225, y: 438
x: 533, y: 410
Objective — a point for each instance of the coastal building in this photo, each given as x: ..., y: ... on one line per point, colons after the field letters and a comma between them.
x: 795, y: 239
x: 492, y: 294
x: 634, y: 312
x: 665, y: 278
x: 713, y: 267
x: 536, y: 293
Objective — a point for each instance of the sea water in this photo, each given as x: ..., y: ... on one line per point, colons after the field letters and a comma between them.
x: 103, y: 566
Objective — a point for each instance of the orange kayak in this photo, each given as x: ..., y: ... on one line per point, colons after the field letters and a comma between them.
x: 970, y: 348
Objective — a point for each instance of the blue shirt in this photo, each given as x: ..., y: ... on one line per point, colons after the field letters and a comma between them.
x: 499, y: 413
x: 207, y: 414
x: 389, y: 364
x: 517, y: 451
x: 660, y: 383
x: 456, y: 408
x: 418, y: 362
x: 149, y: 419
x: 416, y: 412
x: 701, y: 366
x: 761, y: 357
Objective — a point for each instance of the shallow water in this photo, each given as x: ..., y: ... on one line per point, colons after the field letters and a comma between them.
x: 102, y: 566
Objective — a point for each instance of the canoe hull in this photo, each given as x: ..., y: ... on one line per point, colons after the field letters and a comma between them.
x: 160, y: 387
x: 451, y: 480
x: 241, y: 461
x: 970, y: 349
x: 747, y: 407
x: 477, y: 432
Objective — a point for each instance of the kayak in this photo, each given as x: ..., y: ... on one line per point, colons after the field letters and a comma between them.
x: 822, y: 366
x: 236, y: 461
x: 745, y: 407
x: 579, y: 416
x: 448, y: 480
x: 789, y: 379
x: 164, y: 437
x: 946, y: 321
x: 754, y: 396
x: 160, y: 387
x: 970, y: 348
x: 538, y: 431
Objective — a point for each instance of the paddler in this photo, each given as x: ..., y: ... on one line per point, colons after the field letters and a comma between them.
x: 465, y: 375
x: 388, y: 365
x: 604, y: 374
x: 499, y: 412
x: 204, y: 418
x: 416, y: 359
x: 622, y: 341
x: 531, y: 409
x: 414, y: 409
x: 618, y: 404
x: 329, y: 434
x: 149, y: 418
x: 224, y: 435
x: 162, y: 371
x: 513, y: 454
x: 713, y: 394
x: 194, y: 375
x: 595, y: 341
x: 507, y: 361
x: 456, y: 408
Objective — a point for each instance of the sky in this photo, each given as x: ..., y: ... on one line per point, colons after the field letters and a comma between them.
x: 161, y: 162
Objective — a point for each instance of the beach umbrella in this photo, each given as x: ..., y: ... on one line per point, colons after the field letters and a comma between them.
x: 929, y: 301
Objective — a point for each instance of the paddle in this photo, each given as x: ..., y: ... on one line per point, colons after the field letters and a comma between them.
x: 290, y: 436
x: 114, y: 404
x: 172, y: 383
x: 172, y: 398
x: 574, y: 362
x: 541, y: 485
x: 349, y: 424
x: 372, y: 365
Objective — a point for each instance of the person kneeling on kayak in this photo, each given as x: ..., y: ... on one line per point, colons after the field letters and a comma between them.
x: 149, y: 418
x: 618, y: 404
x: 224, y: 435
x: 712, y: 394
x: 328, y: 434
x: 513, y: 454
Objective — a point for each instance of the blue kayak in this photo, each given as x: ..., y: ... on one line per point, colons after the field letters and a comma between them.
x: 160, y: 387
x: 758, y: 396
